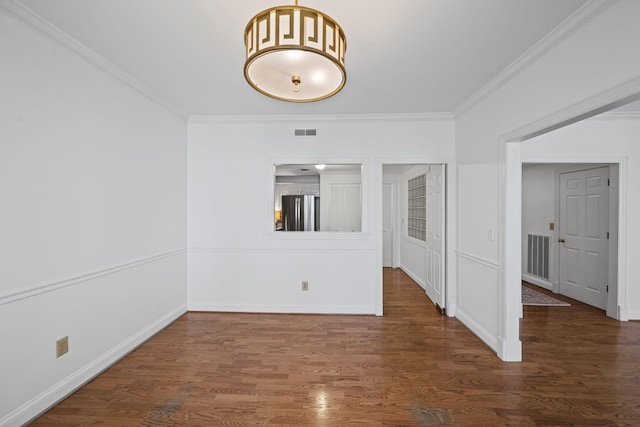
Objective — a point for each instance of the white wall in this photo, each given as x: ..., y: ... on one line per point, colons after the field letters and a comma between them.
x: 93, y: 220
x: 413, y: 252
x: 539, y: 193
x: 593, y: 59
x: 236, y: 263
x: 608, y: 137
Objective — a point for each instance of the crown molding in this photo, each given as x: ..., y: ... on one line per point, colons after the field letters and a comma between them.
x: 323, y: 118
x: 618, y: 115
x: 587, y: 13
x: 588, y: 108
x: 20, y: 13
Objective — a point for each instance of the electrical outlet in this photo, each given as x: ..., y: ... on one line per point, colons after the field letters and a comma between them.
x: 62, y: 346
x: 305, y: 285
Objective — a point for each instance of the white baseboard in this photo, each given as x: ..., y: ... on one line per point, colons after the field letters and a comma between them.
x: 627, y: 313
x: 451, y: 309
x: 510, y: 352
x: 414, y: 277
x: 538, y: 281
x: 487, y: 337
x: 50, y: 397
x: 289, y: 309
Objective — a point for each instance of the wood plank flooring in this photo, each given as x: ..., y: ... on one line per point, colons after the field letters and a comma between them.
x: 411, y: 367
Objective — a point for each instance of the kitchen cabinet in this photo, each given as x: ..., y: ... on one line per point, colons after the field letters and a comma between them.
x: 345, y: 207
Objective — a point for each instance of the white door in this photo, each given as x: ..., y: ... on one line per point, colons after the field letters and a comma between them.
x: 387, y: 225
x: 435, y: 241
x: 583, y: 238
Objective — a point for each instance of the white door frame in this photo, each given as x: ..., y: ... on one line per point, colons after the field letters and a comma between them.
x: 510, y: 207
x: 394, y: 225
x: 554, y: 279
x: 511, y: 246
x: 617, y: 203
x: 450, y: 227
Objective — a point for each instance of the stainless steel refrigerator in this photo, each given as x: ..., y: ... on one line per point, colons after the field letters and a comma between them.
x: 300, y: 213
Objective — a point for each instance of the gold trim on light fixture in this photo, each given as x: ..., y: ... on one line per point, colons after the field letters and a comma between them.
x: 295, y: 54
x: 296, y: 83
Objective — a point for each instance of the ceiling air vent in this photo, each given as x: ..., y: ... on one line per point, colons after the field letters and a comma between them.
x: 305, y: 132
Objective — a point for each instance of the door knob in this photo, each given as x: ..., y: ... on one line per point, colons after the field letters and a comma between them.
x: 560, y: 239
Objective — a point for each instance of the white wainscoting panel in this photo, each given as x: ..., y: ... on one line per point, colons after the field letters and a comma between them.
x: 270, y: 280
x: 478, y: 306
x: 106, y: 315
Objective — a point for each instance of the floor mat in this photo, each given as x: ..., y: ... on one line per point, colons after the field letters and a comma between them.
x: 531, y: 297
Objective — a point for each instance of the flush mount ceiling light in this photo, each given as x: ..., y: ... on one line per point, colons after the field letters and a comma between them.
x: 295, y: 54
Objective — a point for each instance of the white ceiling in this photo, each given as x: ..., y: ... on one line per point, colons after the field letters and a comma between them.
x: 403, y: 56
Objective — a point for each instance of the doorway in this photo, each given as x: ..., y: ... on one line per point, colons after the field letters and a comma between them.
x: 601, y: 146
x: 569, y: 230
x: 414, y: 225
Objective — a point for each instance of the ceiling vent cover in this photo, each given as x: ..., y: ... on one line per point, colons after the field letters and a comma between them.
x: 305, y: 132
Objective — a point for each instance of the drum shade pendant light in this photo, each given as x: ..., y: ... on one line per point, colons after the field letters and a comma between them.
x: 295, y: 54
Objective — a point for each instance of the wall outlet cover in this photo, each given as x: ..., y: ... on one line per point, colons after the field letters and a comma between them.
x: 62, y: 346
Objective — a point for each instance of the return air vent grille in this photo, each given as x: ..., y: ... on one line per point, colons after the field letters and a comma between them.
x: 538, y: 255
x: 305, y: 132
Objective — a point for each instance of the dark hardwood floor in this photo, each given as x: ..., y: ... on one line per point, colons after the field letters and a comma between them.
x: 411, y: 367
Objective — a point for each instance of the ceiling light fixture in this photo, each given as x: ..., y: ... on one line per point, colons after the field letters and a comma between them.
x: 295, y: 54
x: 320, y: 167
